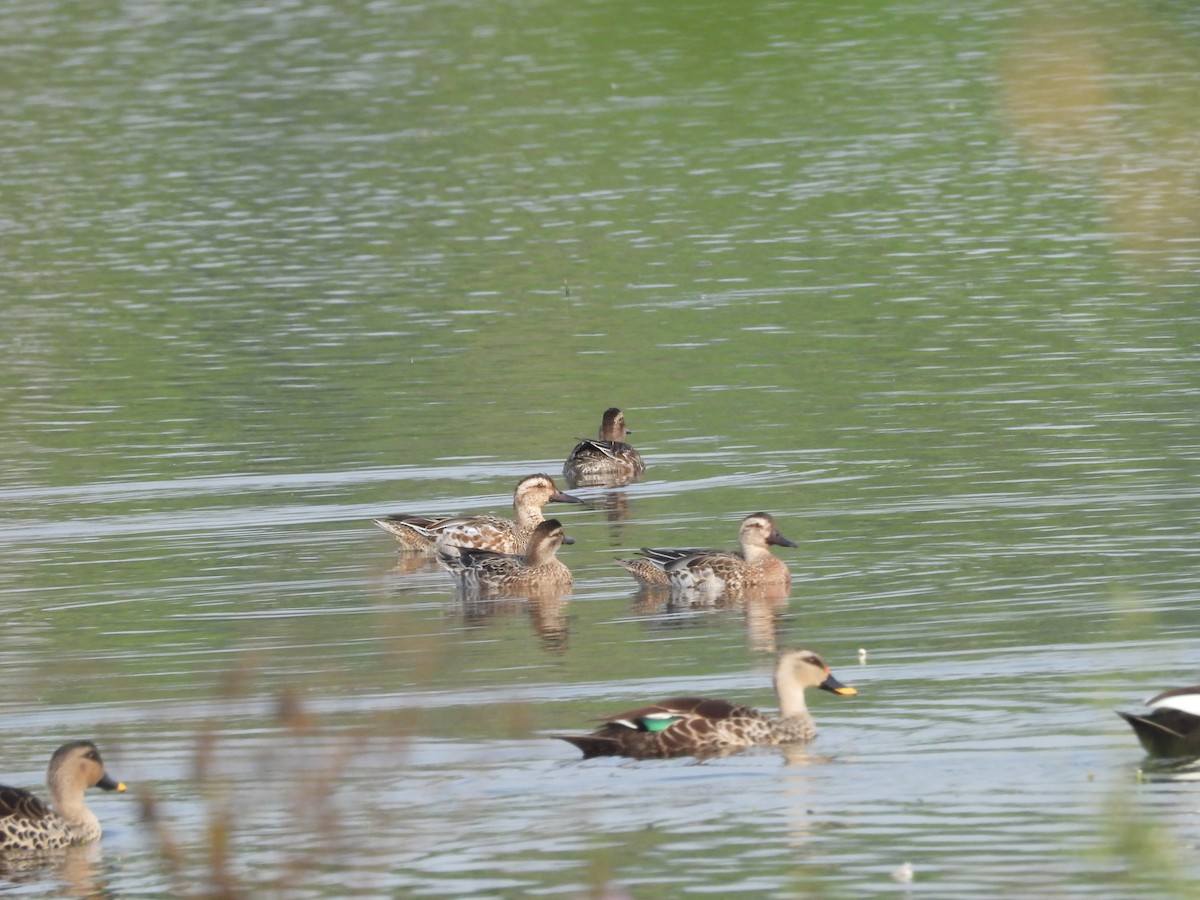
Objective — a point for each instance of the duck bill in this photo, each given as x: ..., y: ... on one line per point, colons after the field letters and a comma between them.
x: 108, y: 784
x: 834, y: 686
x: 567, y: 539
x: 560, y: 497
x: 781, y: 541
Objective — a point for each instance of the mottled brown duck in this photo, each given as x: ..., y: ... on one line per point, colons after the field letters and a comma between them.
x: 610, y: 459
x: 28, y: 824
x: 697, y: 726
x: 428, y: 534
x: 717, y: 571
x: 537, y: 571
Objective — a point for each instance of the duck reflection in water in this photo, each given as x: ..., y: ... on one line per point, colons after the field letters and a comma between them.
x: 761, y: 612
x: 79, y: 870
x: 547, y: 615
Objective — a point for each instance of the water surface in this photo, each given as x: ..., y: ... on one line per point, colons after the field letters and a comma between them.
x: 921, y: 282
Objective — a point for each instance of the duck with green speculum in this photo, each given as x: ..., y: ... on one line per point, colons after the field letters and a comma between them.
x: 698, y: 726
x: 29, y: 825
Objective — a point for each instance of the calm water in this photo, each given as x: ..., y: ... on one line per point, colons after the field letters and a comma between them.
x: 921, y: 281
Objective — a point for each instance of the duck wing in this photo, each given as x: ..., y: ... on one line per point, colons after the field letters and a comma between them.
x: 18, y: 804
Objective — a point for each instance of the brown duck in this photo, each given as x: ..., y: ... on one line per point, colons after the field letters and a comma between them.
x: 538, y: 571
x: 28, y: 824
x: 608, y: 460
x: 696, y: 726
x: 717, y: 571
x: 428, y: 534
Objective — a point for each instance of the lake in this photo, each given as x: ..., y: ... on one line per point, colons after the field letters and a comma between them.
x: 920, y: 280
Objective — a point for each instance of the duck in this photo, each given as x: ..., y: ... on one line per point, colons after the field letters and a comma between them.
x: 1172, y: 727
x: 427, y: 534
x: 716, y: 571
x: 28, y: 824
x: 698, y: 726
x: 537, y: 571
x: 606, y: 460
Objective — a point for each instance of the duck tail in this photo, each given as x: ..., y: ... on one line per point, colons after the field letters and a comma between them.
x: 592, y: 745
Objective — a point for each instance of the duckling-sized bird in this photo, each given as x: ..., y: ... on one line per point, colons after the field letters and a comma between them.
x: 716, y: 571
x: 428, y: 534
x: 538, y: 571
x: 608, y: 460
x: 1172, y: 727
x: 694, y: 726
x: 27, y: 824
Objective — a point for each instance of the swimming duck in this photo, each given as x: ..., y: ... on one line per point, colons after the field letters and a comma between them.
x: 537, y: 571
x: 1172, y: 727
x: 607, y: 460
x: 26, y: 823
x: 429, y: 535
x: 715, y: 571
x: 695, y: 726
